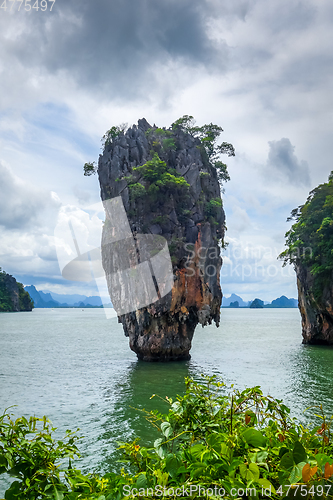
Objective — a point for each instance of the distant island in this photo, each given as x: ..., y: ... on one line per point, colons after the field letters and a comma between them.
x: 234, y: 301
x: 47, y: 299
x: 13, y: 297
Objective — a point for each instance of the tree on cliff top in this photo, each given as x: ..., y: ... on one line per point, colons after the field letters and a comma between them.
x: 309, y: 242
x: 207, y: 134
x: 6, y: 300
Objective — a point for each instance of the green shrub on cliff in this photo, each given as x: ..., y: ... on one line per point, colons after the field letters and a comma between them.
x: 154, y: 181
x: 25, y: 301
x: 309, y: 242
x: 208, y: 135
x: 6, y: 304
x: 213, y: 443
x: 89, y: 168
x: 113, y: 133
x: 8, y: 287
x: 213, y: 207
x: 161, y: 139
x: 137, y: 190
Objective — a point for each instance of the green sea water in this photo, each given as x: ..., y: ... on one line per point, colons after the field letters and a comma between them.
x: 75, y: 366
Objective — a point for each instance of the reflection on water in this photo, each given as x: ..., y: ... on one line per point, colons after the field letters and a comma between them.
x: 132, y: 393
x: 76, y: 367
x: 312, y: 376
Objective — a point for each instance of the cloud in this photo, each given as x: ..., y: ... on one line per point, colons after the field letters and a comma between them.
x: 27, y: 219
x: 251, y: 267
x: 112, y: 46
x: 239, y: 220
x: 82, y: 196
x: 282, y: 159
x: 23, y: 205
x: 260, y: 69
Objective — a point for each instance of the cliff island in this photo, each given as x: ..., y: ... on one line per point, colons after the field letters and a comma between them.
x: 13, y: 297
x: 169, y: 184
x: 310, y: 249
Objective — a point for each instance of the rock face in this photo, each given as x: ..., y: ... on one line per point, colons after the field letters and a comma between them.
x: 186, y: 210
x: 317, y: 314
x: 13, y: 298
x: 309, y: 245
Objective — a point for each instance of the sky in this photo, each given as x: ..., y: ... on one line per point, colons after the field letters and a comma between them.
x: 261, y: 70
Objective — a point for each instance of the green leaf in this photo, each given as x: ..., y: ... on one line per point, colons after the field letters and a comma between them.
x: 254, y: 469
x: 214, y: 440
x: 166, y: 429
x: 171, y: 465
x: 299, y: 453
x: 198, y: 471
x: 141, y: 481
x: 226, y: 451
x: 296, y: 473
x: 283, y: 451
x: 287, y: 461
x: 264, y: 483
x: 322, y: 459
x: 243, y: 470
x: 254, y: 437
x: 13, y: 491
x: 158, y: 442
x: 58, y: 495
x: 197, y: 449
x: 261, y: 456
x: 250, y: 473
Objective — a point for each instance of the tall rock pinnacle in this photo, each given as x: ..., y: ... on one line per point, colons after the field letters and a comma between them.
x: 309, y: 248
x: 164, y: 192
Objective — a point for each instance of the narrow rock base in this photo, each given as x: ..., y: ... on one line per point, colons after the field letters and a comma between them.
x: 160, y: 340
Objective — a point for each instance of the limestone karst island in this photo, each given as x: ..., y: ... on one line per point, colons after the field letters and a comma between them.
x: 169, y: 183
x: 310, y: 249
x: 13, y: 297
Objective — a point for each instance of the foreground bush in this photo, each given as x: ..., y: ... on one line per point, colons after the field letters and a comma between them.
x: 213, y: 444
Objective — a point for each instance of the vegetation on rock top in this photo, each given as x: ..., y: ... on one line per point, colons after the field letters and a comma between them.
x: 208, y: 135
x: 309, y: 242
x: 8, y: 284
x: 164, y: 140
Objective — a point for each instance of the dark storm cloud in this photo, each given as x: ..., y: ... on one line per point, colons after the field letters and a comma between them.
x: 115, y: 43
x: 282, y: 159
